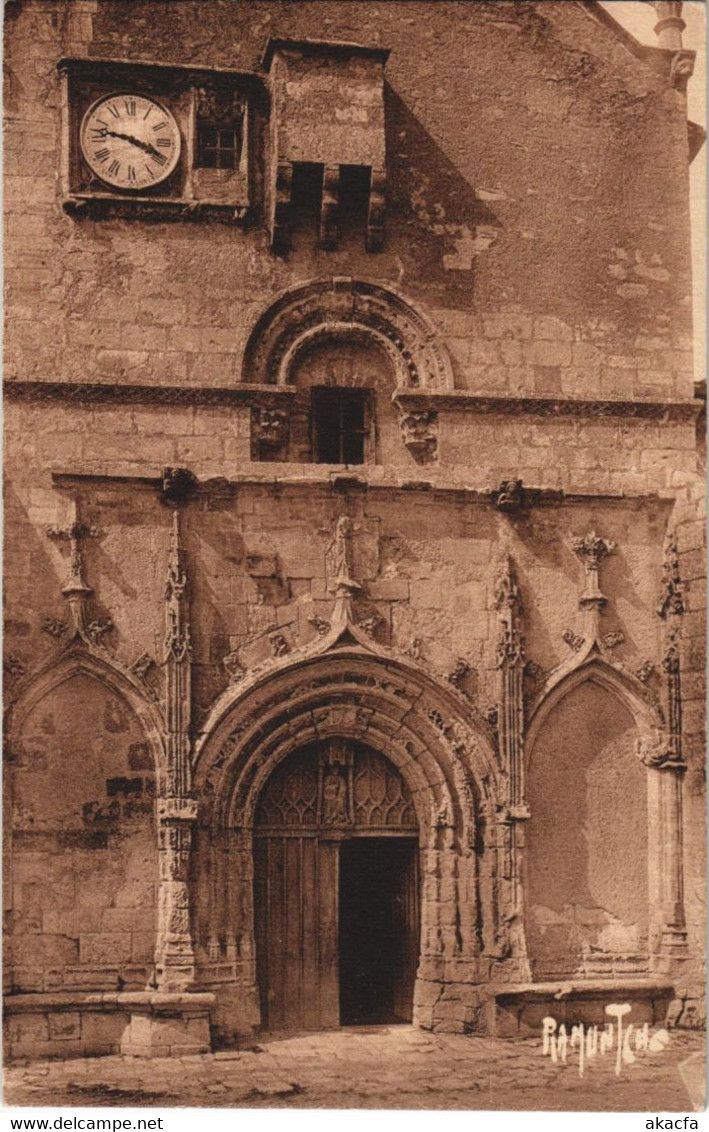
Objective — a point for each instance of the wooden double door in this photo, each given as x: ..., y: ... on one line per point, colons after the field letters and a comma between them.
x: 336, y: 886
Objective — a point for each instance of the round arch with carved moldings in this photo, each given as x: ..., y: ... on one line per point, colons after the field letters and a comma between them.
x: 338, y: 307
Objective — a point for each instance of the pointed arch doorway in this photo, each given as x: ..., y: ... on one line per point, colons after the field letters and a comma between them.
x: 336, y: 890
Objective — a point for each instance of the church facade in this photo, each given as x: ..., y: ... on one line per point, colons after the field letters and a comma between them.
x: 354, y: 511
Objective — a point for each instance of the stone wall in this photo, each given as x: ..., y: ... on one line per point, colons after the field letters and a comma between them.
x: 538, y: 244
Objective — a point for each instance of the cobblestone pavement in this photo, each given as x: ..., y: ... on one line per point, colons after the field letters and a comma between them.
x: 387, y: 1067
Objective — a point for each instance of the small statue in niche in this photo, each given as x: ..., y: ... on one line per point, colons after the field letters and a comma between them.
x: 334, y: 799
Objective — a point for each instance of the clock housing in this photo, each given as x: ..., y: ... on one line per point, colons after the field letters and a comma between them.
x: 162, y: 141
x: 130, y: 142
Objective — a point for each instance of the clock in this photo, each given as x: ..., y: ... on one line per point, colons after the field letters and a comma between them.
x: 129, y: 141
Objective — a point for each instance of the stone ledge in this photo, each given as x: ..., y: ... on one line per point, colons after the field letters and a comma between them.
x: 591, y: 988
x: 517, y: 1009
x: 133, y: 1002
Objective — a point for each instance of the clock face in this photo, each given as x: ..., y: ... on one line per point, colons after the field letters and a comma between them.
x: 129, y: 141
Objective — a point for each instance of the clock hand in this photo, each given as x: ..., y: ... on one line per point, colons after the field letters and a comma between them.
x: 145, y: 146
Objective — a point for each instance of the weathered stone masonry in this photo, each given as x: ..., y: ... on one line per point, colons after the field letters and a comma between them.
x: 490, y: 607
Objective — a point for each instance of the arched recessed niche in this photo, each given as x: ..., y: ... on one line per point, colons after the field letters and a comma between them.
x: 82, y: 782
x: 586, y: 884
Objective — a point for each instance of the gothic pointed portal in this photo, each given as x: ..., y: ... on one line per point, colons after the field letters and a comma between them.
x: 336, y: 888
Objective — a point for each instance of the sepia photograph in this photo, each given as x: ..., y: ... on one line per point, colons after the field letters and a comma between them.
x: 354, y: 556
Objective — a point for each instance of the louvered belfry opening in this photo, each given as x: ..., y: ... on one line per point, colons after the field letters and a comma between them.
x: 336, y: 883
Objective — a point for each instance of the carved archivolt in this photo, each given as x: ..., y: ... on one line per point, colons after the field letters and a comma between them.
x: 341, y: 307
x: 347, y: 695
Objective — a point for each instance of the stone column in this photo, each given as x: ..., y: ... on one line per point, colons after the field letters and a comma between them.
x: 174, y: 958
x: 670, y: 25
x: 177, y: 812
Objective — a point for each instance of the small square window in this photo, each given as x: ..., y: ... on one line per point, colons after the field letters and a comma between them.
x: 218, y: 148
x: 341, y: 425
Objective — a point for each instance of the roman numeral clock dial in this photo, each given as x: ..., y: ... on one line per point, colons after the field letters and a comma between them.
x: 130, y: 142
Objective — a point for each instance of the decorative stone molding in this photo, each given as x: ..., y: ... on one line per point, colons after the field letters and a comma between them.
x: 510, y: 662
x: 645, y: 671
x: 336, y: 308
x: 101, y: 393
x: 612, y: 640
x: 592, y: 549
x: 251, y: 393
x: 419, y: 432
x: 459, y: 672
x: 573, y: 640
x: 509, y: 496
x: 280, y: 646
x: 174, y: 952
x: 83, y: 626
x: 321, y: 626
x: 671, y: 600
x: 54, y: 627
x: 234, y: 667
x: 142, y: 666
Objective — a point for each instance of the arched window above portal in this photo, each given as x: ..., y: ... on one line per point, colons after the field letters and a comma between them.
x: 343, y: 404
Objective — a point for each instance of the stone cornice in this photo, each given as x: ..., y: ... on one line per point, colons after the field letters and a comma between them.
x: 547, y: 406
x: 268, y: 394
x: 135, y: 68
x: 85, y: 392
x: 314, y: 477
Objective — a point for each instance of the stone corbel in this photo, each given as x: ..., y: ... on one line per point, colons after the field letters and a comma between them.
x: 419, y: 432
x: 681, y: 70
x: 269, y: 431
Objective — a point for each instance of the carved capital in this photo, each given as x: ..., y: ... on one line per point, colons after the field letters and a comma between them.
x: 177, y: 810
